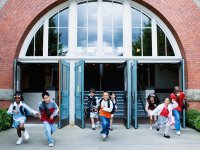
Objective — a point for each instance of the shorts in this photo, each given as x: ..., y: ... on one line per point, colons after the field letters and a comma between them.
x: 94, y: 115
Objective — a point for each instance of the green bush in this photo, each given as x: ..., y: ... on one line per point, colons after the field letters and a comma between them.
x: 193, y: 119
x: 5, y: 120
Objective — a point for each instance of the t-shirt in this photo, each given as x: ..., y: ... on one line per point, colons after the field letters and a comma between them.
x: 179, y: 100
x: 164, y: 112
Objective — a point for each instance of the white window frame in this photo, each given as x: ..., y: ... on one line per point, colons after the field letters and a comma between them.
x: 73, y: 55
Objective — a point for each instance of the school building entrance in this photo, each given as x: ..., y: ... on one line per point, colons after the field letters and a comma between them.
x: 122, y: 47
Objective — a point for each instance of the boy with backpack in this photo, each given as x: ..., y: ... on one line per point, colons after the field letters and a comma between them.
x: 106, y: 107
x: 93, y: 108
x: 19, y: 111
x: 49, y: 111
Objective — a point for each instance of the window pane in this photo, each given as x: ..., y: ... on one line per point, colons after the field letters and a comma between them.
x: 63, y: 41
x: 136, y: 42
x: 160, y: 41
x: 107, y: 14
x: 136, y: 18
x: 146, y: 21
x: 30, y: 48
x: 53, y: 42
x: 92, y: 14
x: 82, y: 37
x: 53, y: 21
x: 118, y: 37
x: 92, y: 37
x: 117, y: 15
x: 107, y: 37
x: 39, y: 42
x: 170, y: 51
x: 82, y: 15
x: 147, y: 42
x: 63, y: 18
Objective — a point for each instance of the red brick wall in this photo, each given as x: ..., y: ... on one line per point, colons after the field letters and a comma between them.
x: 4, y: 104
x: 194, y: 105
x: 18, y: 17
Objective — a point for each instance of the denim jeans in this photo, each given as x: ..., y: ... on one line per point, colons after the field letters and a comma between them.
x: 49, y: 130
x: 105, y: 122
x: 177, y: 124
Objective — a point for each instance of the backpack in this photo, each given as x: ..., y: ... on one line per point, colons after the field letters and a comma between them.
x: 23, y: 111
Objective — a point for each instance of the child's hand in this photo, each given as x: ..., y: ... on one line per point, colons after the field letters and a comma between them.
x: 15, y: 111
x: 51, y: 117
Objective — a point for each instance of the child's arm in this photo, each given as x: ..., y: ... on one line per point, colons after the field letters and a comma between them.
x: 56, y: 109
x: 30, y: 110
x: 108, y: 109
x: 10, y: 110
x: 156, y: 110
x: 147, y: 107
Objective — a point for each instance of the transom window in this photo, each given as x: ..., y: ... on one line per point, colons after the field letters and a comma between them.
x: 98, y: 27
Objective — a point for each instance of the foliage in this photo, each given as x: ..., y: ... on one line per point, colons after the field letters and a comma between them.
x: 193, y: 119
x: 5, y: 120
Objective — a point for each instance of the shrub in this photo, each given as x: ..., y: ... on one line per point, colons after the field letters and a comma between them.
x: 5, y: 120
x: 193, y: 119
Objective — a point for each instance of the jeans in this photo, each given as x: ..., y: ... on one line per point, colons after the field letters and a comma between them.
x: 49, y: 130
x: 177, y: 124
x: 105, y: 125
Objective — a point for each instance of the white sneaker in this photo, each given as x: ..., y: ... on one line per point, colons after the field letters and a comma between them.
x: 19, y: 141
x: 93, y: 127
x: 97, y: 124
x: 104, y: 137
x: 178, y: 133
x: 26, y: 135
x: 51, y: 145
x: 150, y: 128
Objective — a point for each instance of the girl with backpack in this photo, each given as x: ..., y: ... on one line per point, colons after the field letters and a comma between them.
x: 19, y: 110
x: 49, y: 111
x: 114, y: 101
x: 151, y: 103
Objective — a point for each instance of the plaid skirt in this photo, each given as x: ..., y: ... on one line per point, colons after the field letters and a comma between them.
x: 163, y: 120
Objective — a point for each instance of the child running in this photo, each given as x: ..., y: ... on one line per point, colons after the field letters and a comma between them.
x: 164, y: 112
x: 19, y: 110
x: 114, y: 101
x: 48, y: 110
x: 105, y: 114
x: 151, y: 103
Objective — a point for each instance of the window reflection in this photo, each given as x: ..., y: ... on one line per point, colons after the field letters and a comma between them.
x: 147, y: 44
x: 136, y: 42
x: 53, y: 42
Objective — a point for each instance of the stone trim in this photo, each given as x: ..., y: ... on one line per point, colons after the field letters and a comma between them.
x: 6, y: 94
x: 193, y: 94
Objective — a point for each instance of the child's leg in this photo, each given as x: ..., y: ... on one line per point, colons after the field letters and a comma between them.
x: 111, y: 120
x: 19, y: 129
x: 53, y: 128
x: 47, y: 128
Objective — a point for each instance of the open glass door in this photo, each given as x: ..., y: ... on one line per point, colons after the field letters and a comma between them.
x: 127, y: 95
x: 64, y: 73
x: 134, y: 119
x: 182, y: 86
x: 79, y: 94
x: 17, y: 76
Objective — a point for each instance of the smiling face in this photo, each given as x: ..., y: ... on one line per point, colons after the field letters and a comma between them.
x: 17, y: 99
x: 46, y: 98
x: 105, y: 96
x: 167, y: 101
x: 112, y: 96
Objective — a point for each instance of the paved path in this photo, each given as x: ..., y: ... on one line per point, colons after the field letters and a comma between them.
x: 74, y: 138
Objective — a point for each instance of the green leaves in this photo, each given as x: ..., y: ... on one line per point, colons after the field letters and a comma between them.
x: 193, y: 119
x: 5, y: 120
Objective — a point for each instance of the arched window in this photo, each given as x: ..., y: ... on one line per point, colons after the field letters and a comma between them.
x: 141, y: 34
x: 58, y: 34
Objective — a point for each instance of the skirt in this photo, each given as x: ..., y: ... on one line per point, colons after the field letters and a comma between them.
x: 17, y: 122
x: 163, y: 120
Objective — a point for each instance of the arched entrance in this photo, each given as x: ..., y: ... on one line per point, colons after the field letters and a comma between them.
x: 131, y: 36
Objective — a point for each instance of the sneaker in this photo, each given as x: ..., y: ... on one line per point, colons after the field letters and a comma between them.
x: 150, y: 128
x: 157, y: 128
x: 166, y: 136
x: 93, y: 127
x: 104, y: 137
x: 178, y: 133
x: 97, y: 124
x: 111, y: 129
x: 26, y: 135
x: 51, y: 145
x: 19, y: 141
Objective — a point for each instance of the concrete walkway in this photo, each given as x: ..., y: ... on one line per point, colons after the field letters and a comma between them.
x: 74, y: 138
